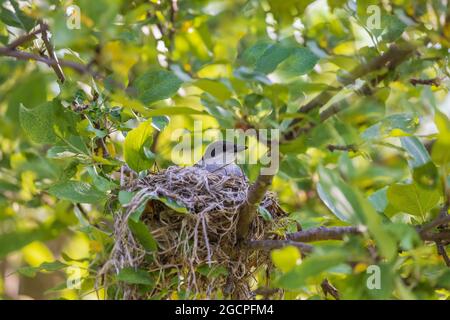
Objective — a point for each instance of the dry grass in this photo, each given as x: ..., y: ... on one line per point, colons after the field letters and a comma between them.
x: 202, y: 239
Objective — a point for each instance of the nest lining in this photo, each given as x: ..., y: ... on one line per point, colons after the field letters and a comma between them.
x: 205, y: 236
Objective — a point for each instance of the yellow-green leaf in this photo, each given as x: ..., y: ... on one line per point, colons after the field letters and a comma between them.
x: 135, y: 142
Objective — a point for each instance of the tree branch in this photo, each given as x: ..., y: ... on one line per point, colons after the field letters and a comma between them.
x: 247, y: 211
x: 329, y: 289
x: 267, y: 245
x: 436, y: 236
x: 26, y: 56
x: 24, y: 39
x: 440, y: 220
x: 51, y: 53
x: 349, y: 147
x: 338, y: 233
x: 323, y: 233
x: 441, y: 251
x: 426, y: 82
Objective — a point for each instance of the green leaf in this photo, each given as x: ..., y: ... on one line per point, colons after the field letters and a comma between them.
x: 29, y: 272
x: 143, y: 235
x: 160, y: 122
x: 310, y: 267
x: 348, y: 204
x: 45, y: 266
x: 286, y: 258
x: 426, y: 176
x: 396, y: 125
x: 61, y: 152
x: 153, y: 86
x: 16, y: 18
x: 416, y: 149
x: 441, y: 152
x: 172, y: 111
x: 135, y: 142
x: 15, y: 240
x: 101, y: 183
x: 338, y: 196
x: 264, y: 213
x: 444, y: 280
x: 77, y: 191
x: 379, y: 199
x: 171, y: 203
x: 300, y: 62
x: 251, y: 55
x: 405, y: 234
x: 212, y: 272
x: 38, y: 122
x: 412, y: 199
x: 441, y: 148
x: 101, y: 12
x: 272, y: 57
x: 214, y: 88
x: 394, y: 27
x: 135, y: 276
x: 425, y: 172
x: 125, y: 197
x: 30, y: 90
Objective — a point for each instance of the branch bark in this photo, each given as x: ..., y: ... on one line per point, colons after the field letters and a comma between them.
x: 338, y: 233
x: 51, y: 53
x: 426, y: 82
x: 323, y: 233
x: 247, y: 212
x: 442, y: 219
x: 267, y: 245
x: 24, y: 39
x: 26, y: 56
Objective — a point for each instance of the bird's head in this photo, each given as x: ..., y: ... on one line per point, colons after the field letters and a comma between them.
x: 222, y: 151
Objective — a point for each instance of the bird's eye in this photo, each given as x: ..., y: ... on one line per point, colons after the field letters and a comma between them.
x: 213, y: 153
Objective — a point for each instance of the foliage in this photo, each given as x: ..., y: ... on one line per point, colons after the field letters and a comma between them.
x: 362, y: 110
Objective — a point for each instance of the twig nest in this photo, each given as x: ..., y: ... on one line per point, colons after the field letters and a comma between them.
x: 192, y: 215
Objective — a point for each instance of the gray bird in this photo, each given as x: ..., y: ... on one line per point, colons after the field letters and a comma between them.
x: 220, y: 157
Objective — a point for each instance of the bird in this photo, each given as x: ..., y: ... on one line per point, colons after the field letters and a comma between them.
x: 220, y: 157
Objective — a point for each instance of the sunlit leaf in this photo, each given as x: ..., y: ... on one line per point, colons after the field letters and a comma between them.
x: 412, y: 199
x: 135, y: 142
x: 157, y: 85
x: 286, y: 258
x: 77, y: 191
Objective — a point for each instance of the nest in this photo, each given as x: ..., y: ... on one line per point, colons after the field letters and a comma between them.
x: 197, y: 248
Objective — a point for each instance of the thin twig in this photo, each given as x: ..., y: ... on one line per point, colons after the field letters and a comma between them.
x: 440, y: 220
x: 323, y: 233
x: 349, y: 147
x: 441, y: 251
x: 338, y: 233
x: 329, y: 289
x: 24, y: 39
x: 51, y: 53
x: 426, y: 82
x: 267, y: 245
x: 26, y: 56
